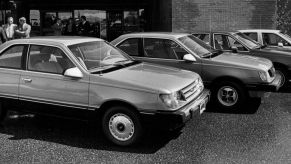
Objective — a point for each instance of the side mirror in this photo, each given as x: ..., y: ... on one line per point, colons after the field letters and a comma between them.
x: 73, y: 72
x: 189, y: 58
x: 234, y: 49
x: 280, y: 44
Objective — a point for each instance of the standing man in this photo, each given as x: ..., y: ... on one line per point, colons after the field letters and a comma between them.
x: 70, y: 28
x: 24, y: 29
x: 84, y: 27
x: 57, y: 27
x: 9, y: 28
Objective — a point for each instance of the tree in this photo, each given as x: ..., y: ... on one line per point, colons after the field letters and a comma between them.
x: 283, y: 16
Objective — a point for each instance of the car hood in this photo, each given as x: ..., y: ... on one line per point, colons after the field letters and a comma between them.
x: 151, y: 77
x: 245, y: 61
x: 274, y: 50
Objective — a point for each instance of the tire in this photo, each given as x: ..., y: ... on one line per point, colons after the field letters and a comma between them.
x: 229, y: 96
x: 3, y: 112
x: 122, y: 126
x: 284, y: 76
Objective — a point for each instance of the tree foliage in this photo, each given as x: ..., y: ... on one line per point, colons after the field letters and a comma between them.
x: 283, y: 16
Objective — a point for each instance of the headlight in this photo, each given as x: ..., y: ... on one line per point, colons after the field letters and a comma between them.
x: 172, y: 100
x: 263, y: 76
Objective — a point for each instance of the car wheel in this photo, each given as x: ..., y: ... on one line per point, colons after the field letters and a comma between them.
x: 284, y: 77
x: 3, y: 112
x: 229, y: 96
x: 122, y: 126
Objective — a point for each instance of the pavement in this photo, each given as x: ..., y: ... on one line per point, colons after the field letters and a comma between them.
x: 263, y: 137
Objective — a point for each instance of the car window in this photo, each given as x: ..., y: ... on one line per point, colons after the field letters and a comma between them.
x: 11, y: 58
x: 130, y: 46
x: 48, y: 59
x: 273, y: 39
x: 196, y: 45
x: 226, y: 42
x: 221, y: 42
x: 98, y: 55
x: 235, y: 43
x: 163, y: 48
x: 252, y: 35
x: 204, y: 37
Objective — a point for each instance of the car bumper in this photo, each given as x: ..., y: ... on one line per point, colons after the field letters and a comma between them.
x: 272, y: 87
x: 177, y: 119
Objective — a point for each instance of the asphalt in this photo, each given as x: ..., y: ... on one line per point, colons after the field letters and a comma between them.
x: 263, y: 137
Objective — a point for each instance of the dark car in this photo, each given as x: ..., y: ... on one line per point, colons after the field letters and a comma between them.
x: 239, y: 43
x: 232, y: 78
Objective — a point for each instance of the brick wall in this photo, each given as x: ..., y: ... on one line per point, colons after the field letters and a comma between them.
x: 199, y: 15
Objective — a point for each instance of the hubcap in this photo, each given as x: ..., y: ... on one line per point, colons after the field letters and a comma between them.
x: 282, y: 77
x: 227, y: 96
x: 121, y: 127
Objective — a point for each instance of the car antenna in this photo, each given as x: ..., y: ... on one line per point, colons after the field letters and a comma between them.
x: 210, y: 31
x: 100, y: 74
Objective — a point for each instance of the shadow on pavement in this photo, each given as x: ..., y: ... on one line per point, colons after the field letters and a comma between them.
x: 76, y: 133
x: 250, y: 108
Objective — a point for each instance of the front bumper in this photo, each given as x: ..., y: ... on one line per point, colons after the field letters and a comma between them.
x: 176, y: 119
x: 272, y: 87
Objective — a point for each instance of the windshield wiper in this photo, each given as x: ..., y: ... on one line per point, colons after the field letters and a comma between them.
x: 206, y: 55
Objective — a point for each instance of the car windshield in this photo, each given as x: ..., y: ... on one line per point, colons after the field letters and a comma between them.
x: 196, y: 45
x: 286, y: 35
x: 246, y: 40
x: 98, y: 55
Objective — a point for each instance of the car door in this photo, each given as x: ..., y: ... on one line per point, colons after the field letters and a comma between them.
x: 10, y: 71
x: 44, y: 88
x: 165, y: 52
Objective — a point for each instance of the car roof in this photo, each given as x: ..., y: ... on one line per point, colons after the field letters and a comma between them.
x: 202, y: 32
x: 260, y: 30
x: 156, y: 34
x: 57, y: 40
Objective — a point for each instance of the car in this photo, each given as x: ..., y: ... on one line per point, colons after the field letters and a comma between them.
x: 237, y: 42
x: 86, y: 78
x: 269, y: 37
x: 231, y: 78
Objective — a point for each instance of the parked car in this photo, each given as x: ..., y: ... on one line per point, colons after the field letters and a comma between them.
x: 239, y: 43
x: 82, y: 77
x: 269, y: 37
x: 231, y: 78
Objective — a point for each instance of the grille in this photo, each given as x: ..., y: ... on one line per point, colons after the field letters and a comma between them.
x: 271, y: 72
x: 192, y: 90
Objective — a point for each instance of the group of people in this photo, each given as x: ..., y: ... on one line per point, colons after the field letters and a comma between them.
x: 82, y: 29
x: 11, y: 31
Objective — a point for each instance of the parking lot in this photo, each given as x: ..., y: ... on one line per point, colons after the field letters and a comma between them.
x: 263, y: 137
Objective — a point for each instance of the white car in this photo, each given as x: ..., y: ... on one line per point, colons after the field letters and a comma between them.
x: 270, y: 37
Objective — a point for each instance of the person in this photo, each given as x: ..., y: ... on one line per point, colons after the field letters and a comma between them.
x: 70, y: 28
x: 3, y: 37
x: 23, y: 30
x: 57, y: 27
x: 9, y: 28
x: 84, y: 27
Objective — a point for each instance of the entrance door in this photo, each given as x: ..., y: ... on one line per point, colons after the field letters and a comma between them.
x: 114, y: 24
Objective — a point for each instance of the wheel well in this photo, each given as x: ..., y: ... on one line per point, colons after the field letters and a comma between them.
x: 226, y: 78
x: 112, y: 103
x: 279, y: 65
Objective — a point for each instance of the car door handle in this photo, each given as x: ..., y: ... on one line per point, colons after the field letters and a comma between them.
x: 26, y: 80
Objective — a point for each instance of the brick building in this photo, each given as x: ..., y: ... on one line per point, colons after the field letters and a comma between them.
x: 114, y: 17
